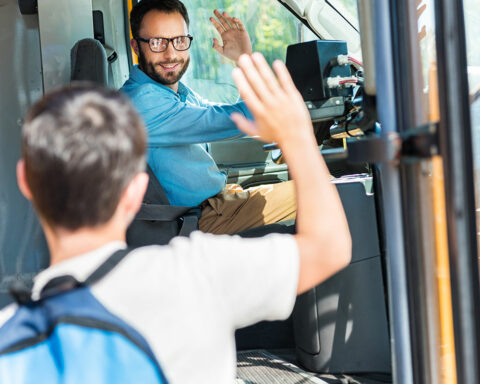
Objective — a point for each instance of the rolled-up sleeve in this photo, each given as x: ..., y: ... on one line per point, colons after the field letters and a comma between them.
x: 171, y: 122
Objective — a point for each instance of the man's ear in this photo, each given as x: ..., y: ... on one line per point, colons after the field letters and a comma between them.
x: 132, y: 197
x: 135, y: 47
x: 22, y: 180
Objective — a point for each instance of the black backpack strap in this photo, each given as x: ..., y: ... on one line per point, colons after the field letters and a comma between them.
x: 65, y: 283
x: 60, y: 284
x: 107, y: 266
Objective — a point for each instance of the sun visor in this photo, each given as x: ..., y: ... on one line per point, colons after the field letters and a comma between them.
x: 297, y: 6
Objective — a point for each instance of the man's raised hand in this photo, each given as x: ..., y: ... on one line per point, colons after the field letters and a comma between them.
x: 277, y: 106
x: 234, y: 36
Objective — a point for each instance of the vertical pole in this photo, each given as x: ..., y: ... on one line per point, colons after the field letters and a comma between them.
x: 395, y: 250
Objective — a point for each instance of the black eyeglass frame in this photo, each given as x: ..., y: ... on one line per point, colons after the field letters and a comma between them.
x: 169, y: 40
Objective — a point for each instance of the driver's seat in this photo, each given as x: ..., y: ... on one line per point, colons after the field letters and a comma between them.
x: 158, y: 222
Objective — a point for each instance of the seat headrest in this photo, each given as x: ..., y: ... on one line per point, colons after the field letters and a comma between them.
x: 89, y: 62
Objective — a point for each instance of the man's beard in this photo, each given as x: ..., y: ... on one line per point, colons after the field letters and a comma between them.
x: 170, y: 77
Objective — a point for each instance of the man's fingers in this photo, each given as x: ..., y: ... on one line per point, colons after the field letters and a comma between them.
x: 256, y: 82
x: 222, y: 20
x: 229, y: 20
x: 266, y: 73
x: 217, y: 25
x: 239, y: 24
x: 283, y: 76
x: 245, y: 125
x: 216, y: 46
x: 246, y: 92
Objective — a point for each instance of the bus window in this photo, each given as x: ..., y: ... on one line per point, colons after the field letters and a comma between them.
x: 472, y: 31
x: 270, y: 26
x: 349, y: 10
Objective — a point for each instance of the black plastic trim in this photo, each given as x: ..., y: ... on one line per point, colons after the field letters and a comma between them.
x: 28, y: 7
x: 126, y: 23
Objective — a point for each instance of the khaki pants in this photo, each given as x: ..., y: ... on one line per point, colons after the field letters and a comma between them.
x: 235, y: 209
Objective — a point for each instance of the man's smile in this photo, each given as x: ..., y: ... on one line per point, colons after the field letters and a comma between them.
x: 169, y: 67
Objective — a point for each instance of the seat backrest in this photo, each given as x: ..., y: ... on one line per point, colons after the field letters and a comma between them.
x: 89, y: 62
x: 155, y: 193
x: 158, y: 222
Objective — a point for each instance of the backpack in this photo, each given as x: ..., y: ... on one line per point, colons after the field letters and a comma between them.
x: 158, y: 222
x: 68, y: 336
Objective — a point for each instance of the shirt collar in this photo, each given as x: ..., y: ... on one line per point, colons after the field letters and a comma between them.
x: 141, y: 77
x: 80, y: 266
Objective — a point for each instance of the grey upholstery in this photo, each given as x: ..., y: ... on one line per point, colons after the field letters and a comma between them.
x: 89, y: 62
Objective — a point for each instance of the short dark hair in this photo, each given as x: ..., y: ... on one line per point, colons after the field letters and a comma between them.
x: 143, y: 7
x: 81, y: 145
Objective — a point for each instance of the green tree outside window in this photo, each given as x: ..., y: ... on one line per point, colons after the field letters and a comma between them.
x: 270, y: 26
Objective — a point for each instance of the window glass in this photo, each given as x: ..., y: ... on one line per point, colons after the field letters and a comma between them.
x: 348, y: 9
x: 270, y: 26
x: 472, y: 31
x: 428, y: 55
x: 472, y: 26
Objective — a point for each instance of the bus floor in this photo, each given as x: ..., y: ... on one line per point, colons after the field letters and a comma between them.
x: 278, y: 366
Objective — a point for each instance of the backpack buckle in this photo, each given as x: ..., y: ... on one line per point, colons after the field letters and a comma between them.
x: 20, y: 292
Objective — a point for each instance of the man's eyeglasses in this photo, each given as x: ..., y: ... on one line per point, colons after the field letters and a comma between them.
x: 160, y: 44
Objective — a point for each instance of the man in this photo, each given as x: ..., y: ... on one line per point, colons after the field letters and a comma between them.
x: 83, y: 155
x: 179, y: 122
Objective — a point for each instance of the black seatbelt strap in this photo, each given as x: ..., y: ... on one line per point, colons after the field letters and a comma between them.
x: 190, y: 221
x: 160, y: 212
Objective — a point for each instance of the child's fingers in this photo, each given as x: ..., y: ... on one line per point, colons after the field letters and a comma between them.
x: 245, y: 125
x: 283, y: 76
x: 246, y: 92
x: 266, y: 73
x: 255, y: 80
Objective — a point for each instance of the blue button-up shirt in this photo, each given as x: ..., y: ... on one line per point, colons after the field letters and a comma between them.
x: 178, y: 125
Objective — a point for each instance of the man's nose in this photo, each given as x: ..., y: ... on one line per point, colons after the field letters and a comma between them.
x: 170, y: 52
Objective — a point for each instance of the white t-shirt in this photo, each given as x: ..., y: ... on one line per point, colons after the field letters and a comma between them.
x: 188, y: 298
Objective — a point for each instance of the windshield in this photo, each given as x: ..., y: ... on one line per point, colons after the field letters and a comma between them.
x: 348, y: 9
x: 331, y: 20
x: 270, y: 27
